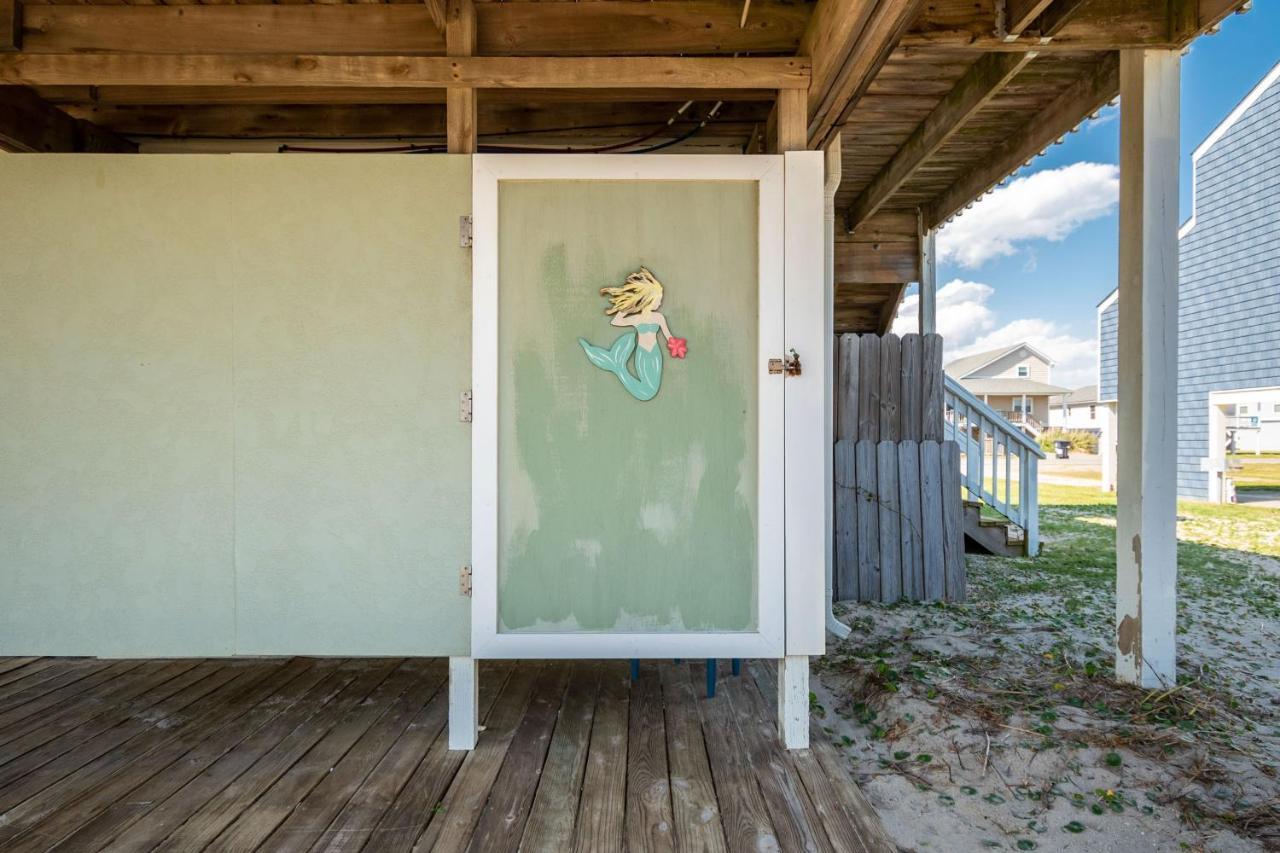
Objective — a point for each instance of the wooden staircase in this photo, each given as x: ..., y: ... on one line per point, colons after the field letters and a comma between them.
x: 998, y: 536
x: 999, y: 473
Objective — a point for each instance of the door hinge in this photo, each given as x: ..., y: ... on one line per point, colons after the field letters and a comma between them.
x: 464, y: 581
x: 464, y: 407
x: 464, y: 231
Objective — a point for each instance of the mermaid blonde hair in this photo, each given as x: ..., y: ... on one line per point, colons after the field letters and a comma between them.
x: 641, y: 293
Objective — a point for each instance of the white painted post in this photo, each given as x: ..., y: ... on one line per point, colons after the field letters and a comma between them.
x: 1216, y: 462
x: 928, y: 313
x: 464, y: 703
x: 793, y: 701
x: 1107, y: 446
x: 1146, y: 532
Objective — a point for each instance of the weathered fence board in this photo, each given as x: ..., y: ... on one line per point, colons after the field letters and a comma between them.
x: 953, y: 516
x: 846, y: 550
x: 868, y: 389
x: 890, y: 388
x: 868, y: 522
x: 910, y: 534
x: 890, y: 535
x: 933, y: 528
x: 847, y: 404
x: 911, y: 390
x: 931, y: 384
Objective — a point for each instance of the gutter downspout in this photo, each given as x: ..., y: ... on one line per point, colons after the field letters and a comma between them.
x: 832, y: 153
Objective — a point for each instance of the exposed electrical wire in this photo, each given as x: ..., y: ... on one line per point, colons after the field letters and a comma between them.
x: 438, y: 148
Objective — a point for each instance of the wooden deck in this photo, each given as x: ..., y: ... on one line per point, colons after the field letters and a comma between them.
x: 322, y: 754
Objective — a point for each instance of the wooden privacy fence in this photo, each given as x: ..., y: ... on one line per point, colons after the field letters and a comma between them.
x: 889, y: 388
x: 899, y: 524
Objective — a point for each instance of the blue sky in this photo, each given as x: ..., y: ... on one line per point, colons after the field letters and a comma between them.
x: 1048, y: 288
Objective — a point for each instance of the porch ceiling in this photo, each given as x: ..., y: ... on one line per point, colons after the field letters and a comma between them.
x: 936, y: 100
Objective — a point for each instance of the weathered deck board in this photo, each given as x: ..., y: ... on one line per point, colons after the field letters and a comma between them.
x: 322, y: 754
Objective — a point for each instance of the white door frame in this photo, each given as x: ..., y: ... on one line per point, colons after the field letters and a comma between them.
x: 769, y: 640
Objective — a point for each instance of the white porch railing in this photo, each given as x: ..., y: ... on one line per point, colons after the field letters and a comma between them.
x: 980, y: 430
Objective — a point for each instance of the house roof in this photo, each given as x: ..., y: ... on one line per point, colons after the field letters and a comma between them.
x: 962, y: 367
x: 1010, y: 385
x: 1085, y: 395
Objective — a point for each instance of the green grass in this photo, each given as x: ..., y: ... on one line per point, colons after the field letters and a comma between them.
x: 1253, y: 474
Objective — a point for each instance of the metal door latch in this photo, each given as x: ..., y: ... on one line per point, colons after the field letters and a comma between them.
x: 789, y: 365
x: 464, y: 407
x: 464, y: 581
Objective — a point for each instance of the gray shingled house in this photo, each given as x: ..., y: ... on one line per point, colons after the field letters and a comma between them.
x: 1229, y: 300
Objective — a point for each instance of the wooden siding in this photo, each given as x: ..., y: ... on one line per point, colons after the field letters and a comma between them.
x: 1006, y: 367
x: 1229, y: 287
x: 327, y: 755
x: 1108, y: 354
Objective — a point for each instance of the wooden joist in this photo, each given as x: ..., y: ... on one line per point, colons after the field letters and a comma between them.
x: 404, y: 71
x: 29, y: 124
x: 1020, y: 14
x: 1078, y: 101
x: 688, y: 27
x: 850, y: 41
x: 10, y: 25
x: 974, y: 91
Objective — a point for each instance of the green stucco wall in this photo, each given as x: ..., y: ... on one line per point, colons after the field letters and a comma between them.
x: 616, y: 514
x: 229, y: 405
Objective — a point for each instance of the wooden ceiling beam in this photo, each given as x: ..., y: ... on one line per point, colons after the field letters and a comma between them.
x: 504, y: 29
x: 973, y: 92
x: 1065, y: 25
x: 278, y: 95
x: 29, y: 124
x: 850, y: 40
x: 1060, y: 117
x: 481, y: 72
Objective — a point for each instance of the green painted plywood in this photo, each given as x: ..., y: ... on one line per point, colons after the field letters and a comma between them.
x: 617, y: 514
x: 229, y: 405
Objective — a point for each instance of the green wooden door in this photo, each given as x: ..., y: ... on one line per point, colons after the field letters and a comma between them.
x: 616, y: 514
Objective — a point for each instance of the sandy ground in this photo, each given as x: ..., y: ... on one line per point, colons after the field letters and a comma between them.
x: 996, y: 725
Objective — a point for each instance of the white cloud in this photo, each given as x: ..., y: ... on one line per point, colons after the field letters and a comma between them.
x: 968, y: 325
x: 1047, y: 205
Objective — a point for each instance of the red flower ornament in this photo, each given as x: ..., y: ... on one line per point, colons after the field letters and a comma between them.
x: 678, y: 347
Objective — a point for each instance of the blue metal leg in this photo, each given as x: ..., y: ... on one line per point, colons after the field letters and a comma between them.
x: 737, y: 666
x: 711, y: 678
x: 635, y: 669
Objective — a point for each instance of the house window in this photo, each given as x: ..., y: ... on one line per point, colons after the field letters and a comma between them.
x: 1276, y: 408
x: 1093, y: 412
x: 1244, y: 410
x: 1023, y: 371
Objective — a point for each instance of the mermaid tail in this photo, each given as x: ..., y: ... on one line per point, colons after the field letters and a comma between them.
x: 643, y: 385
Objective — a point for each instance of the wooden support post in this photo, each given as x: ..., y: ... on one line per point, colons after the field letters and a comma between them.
x: 464, y: 703
x: 10, y: 26
x: 1146, y: 536
x: 791, y: 126
x: 928, y: 307
x: 793, y: 701
x: 791, y: 129
x: 460, y: 104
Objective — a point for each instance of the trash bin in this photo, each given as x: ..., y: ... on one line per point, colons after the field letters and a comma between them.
x: 1062, y: 449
